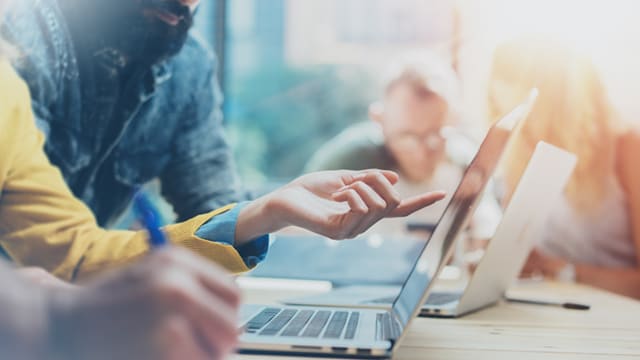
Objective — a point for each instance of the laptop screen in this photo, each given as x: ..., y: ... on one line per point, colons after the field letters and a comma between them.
x: 437, y: 250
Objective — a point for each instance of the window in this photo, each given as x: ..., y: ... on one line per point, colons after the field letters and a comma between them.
x: 297, y: 72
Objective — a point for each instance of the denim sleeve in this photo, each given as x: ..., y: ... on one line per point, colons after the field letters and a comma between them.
x: 201, y: 174
x: 222, y: 229
x: 36, y: 30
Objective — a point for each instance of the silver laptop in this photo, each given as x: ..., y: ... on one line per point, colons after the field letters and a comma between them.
x: 351, y: 332
x: 504, y: 257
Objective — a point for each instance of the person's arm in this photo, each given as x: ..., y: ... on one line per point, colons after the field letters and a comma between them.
x: 621, y: 281
x: 42, y: 224
x: 629, y: 175
x: 337, y: 204
x: 201, y: 174
x: 23, y: 317
x: 625, y: 281
x: 37, y: 34
x: 170, y: 305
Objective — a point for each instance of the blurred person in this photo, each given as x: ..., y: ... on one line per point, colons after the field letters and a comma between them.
x: 410, y: 130
x: 43, y: 225
x: 170, y: 305
x: 593, y: 234
x: 125, y: 92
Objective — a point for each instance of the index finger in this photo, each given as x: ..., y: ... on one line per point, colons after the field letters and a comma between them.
x: 411, y: 205
x: 355, y: 176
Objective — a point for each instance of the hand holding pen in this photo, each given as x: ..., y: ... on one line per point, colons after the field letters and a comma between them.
x: 150, y: 219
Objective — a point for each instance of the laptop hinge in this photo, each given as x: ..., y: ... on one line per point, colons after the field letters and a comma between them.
x: 396, y: 328
x: 388, y: 327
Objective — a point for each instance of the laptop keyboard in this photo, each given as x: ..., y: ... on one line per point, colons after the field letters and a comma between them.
x: 298, y: 323
x: 437, y: 298
x: 305, y: 323
x: 336, y: 325
x: 317, y: 324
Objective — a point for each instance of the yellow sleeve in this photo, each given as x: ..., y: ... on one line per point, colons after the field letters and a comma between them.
x: 43, y: 224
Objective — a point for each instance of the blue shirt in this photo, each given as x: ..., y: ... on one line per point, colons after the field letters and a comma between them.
x: 222, y: 229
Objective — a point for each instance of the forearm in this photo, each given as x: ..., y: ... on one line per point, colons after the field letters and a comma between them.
x: 42, y: 224
x: 621, y: 281
x: 66, y: 241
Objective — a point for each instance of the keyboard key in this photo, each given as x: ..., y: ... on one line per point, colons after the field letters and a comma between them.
x: 337, y: 323
x: 352, y: 326
x: 298, y: 323
x: 262, y: 319
x: 278, y: 323
x: 317, y: 324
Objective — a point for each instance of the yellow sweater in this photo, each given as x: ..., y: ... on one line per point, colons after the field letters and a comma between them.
x: 43, y: 224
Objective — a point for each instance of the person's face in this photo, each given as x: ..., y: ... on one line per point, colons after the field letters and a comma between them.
x: 154, y: 29
x: 412, y: 124
x: 170, y: 12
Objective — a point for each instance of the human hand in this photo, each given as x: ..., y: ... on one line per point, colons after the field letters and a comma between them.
x: 539, y: 264
x: 42, y: 277
x: 338, y: 204
x: 171, y: 305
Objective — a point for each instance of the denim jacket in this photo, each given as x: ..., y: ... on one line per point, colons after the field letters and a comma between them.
x: 110, y: 132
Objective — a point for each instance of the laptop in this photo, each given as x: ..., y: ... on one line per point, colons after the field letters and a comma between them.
x: 504, y: 257
x: 374, y: 333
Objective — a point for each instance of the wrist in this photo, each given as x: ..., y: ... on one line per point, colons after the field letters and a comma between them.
x: 256, y: 219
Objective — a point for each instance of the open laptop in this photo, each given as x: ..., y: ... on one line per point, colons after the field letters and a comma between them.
x: 354, y: 332
x: 504, y: 257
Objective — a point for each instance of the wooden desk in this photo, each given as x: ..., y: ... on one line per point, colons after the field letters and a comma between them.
x: 610, y: 330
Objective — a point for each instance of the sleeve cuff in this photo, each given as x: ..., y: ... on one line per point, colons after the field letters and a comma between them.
x: 222, y: 229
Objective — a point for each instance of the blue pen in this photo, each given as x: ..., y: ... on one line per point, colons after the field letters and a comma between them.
x: 150, y: 218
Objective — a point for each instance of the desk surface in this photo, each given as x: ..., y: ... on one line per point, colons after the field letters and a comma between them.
x: 610, y: 330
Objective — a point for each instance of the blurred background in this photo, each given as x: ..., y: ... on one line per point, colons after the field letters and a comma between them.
x: 297, y: 72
